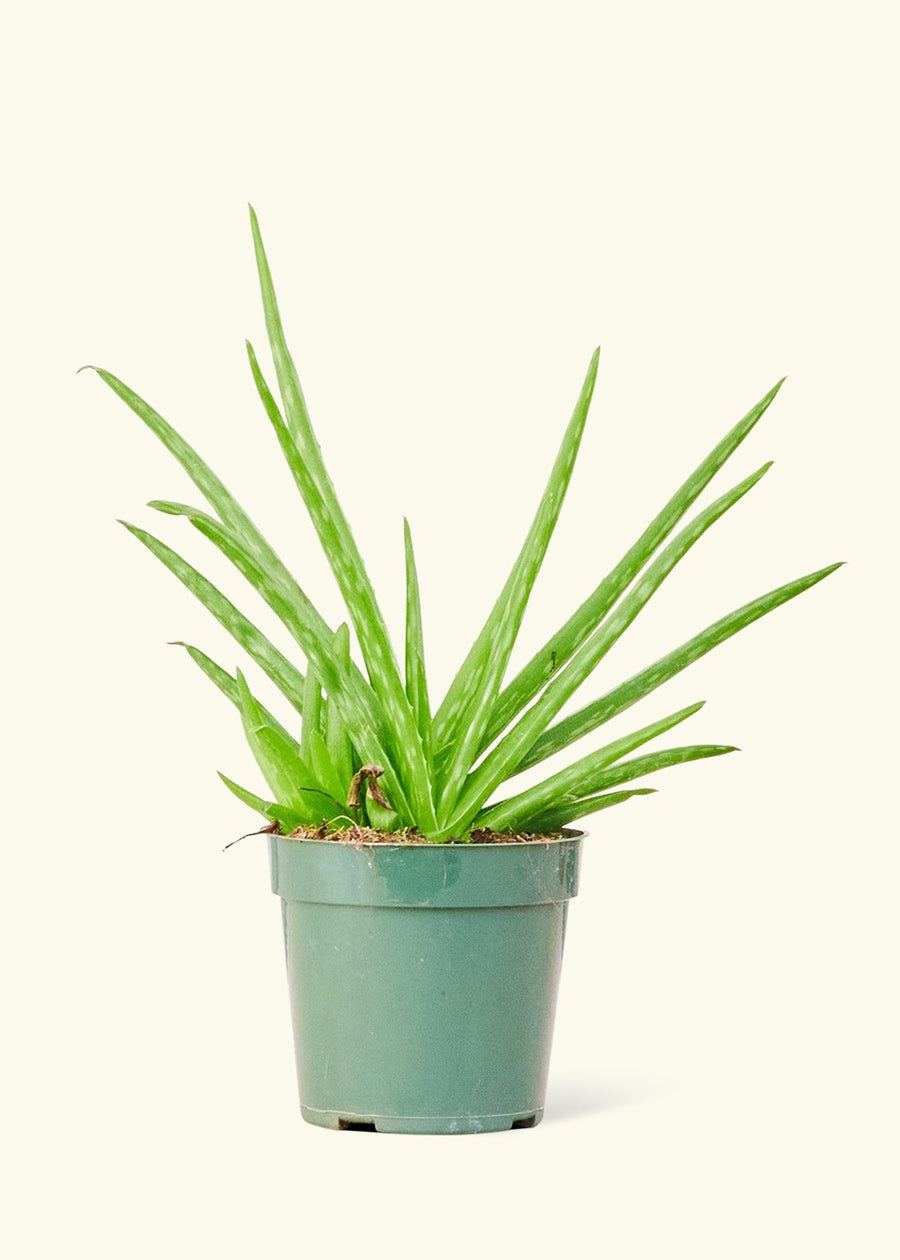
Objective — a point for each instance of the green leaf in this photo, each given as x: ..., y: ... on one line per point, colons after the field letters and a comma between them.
x: 502, y: 761
x: 354, y: 697
x: 287, y: 819
x: 288, y: 776
x: 379, y: 817
x: 623, y: 772
x: 325, y: 771
x: 228, y: 686
x: 416, y: 685
x: 562, y: 646
x: 336, y: 737
x: 239, y: 538
x: 286, y: 677
x: 222, y: 501
x: 572, y: 811
x: 398, y: 730
x: 308, y: 469
x: 356, y: 702
x: 312, y: 711
x: 463, y: 716
x: 291, y: 606
x: 642, y: 683
x: 578, y: 779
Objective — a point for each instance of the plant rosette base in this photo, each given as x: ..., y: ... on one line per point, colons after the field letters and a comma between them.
x: 423, y: 978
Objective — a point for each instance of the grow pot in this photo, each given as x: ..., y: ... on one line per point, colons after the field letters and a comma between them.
x: 423, y: 979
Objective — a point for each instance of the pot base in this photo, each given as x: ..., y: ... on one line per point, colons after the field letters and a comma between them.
x: 421, y: 1124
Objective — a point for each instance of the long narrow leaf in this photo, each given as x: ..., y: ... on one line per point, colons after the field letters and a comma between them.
x: 288, y: 776
x: 293, y: 608
x: 416, y: 685
x: 289, y: 603
x: 463, y: 716
x: 286, y: 677
x: 326, y: 772
x: 642, y: 683
x: 301, y: 450
x: 229, y: 687
x: 578, y: 779
x: 287, y: 818
x: 357, y: 703
x: 209, y: 485
x: 359, y: 706
x: 236, y: 522
x: 336, y: 737
x: 560, y: 648
x: 501, y: 762
x: 622, y: 772
x: 572, y: 811
x: 319, y: 495
x: 312, y: 709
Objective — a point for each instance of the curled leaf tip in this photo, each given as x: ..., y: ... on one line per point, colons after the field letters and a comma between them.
x: 87, y: 367
x: 366, y: 779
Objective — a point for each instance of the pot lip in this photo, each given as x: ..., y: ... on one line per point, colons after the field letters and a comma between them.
x: 566, y: 835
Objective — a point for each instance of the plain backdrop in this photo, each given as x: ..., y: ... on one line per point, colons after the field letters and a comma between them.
x: 459, y: 202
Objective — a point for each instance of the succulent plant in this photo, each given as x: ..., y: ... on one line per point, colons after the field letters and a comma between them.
x: 370, y: 748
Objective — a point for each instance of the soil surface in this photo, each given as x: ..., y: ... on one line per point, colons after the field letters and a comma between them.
x: 368, y: 835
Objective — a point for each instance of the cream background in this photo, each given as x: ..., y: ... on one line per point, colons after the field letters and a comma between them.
x: 458, y: 202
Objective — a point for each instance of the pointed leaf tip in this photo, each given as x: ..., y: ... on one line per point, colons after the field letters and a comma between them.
x: 168, y: 508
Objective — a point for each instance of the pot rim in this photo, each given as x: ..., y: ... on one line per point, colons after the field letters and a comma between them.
x: 567, y: 833
x: 428, y: 876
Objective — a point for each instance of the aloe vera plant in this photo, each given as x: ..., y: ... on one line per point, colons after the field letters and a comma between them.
x: 369, y: 748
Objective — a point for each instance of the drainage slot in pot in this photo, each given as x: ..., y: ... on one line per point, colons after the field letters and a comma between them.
x: 525, y: 1122
x: 359, y: 1126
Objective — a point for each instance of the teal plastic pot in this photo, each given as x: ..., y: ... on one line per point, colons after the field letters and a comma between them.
x: 423, y: 979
